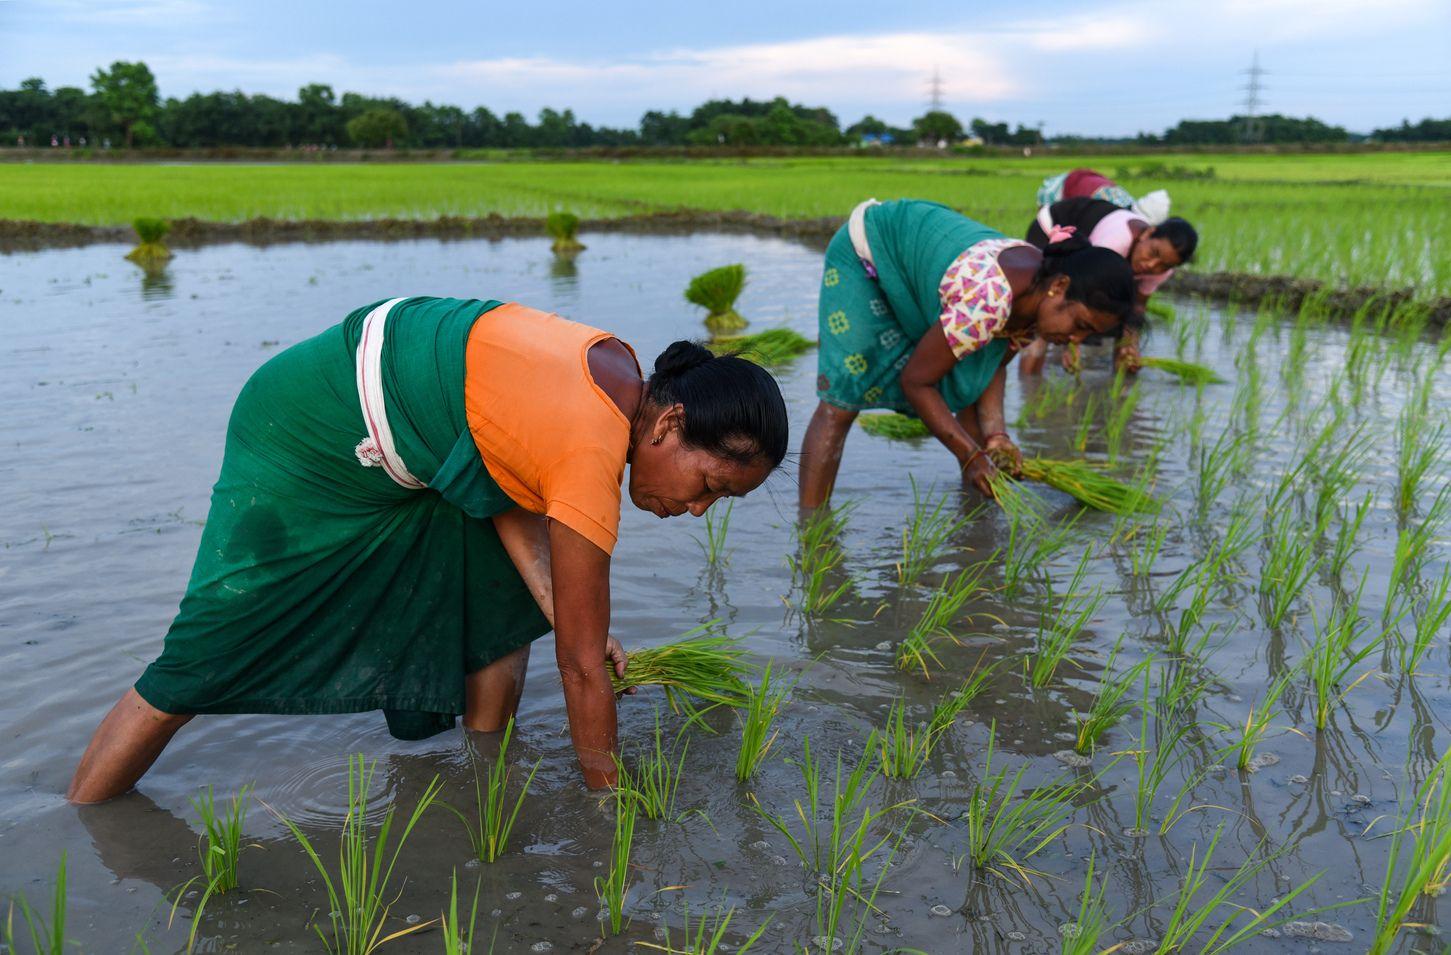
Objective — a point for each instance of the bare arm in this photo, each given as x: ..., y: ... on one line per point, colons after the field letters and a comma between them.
x: 525, y: 537
x: 580, y: 574
x: 990, y: 405
x: 931, y: 361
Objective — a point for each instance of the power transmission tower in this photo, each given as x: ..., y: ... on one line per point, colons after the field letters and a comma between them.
x: 934, y: 91
x: 1253, y: 128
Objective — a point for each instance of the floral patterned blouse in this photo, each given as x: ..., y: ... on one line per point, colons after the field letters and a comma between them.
x: 977, y: 299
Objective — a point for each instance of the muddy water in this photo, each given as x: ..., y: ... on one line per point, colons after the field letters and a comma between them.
x: 115, y: 392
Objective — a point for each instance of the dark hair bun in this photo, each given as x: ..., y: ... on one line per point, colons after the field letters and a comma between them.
x: 680, y: 358
x: 1074, y: 243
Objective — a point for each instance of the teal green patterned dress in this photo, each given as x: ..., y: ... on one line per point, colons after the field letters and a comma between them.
x: 869, y: 327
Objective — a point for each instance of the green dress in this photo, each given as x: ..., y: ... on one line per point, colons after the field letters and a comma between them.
x: 869, y: 327
x: 321, y: 586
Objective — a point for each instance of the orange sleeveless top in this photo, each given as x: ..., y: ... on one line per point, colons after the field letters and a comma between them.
x: 551, y: 438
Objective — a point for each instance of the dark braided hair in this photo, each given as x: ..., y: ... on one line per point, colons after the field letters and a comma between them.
x: 733, y: 407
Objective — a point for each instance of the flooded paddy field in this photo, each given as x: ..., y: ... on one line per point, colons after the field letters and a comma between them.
x: 1267, y: 592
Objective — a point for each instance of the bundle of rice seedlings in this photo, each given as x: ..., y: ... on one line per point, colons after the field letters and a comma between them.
x: 1089, y: 485
x: 775, y: 346
x: 1160, y: 310
x: 563, y: 228
x: 889, y: 424
x: 1187, y: 371
x: 151, y: 252
x: 716, y: 291
x: 703, y: 668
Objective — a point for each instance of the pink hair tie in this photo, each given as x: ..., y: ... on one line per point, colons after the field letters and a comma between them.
x: 1060, y: 232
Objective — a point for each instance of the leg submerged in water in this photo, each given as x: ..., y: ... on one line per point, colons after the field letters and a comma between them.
x: 492, y: 694
x: 821, y: 453
x: 123, y: 748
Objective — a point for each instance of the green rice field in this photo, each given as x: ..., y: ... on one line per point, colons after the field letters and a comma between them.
x: 1362, y: 219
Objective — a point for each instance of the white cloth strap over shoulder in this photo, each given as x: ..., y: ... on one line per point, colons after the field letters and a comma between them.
x: 856, y: 227
x: 377, y: 450
x: 1045, y: 219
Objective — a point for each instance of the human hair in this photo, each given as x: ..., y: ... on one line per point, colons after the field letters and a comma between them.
x: 733, y: 407
x: 1099, y: 278
x: 1181, y: 235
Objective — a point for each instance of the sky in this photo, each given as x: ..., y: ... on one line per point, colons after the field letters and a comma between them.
x: 1108, y: 68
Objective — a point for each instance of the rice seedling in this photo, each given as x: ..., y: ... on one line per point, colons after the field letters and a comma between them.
x: 758, y: 718
x: 707, y: 669
x: 456, y: 939
x: 1005, y: 829
x: 1158, y: 754
x: 613, y: 888
x: 655, y: 780
x: 1052, y: 393
x: 835, y: 926
x: 1418, y: 867
x: 1143, y: 557
x: 1219, y: 465
x: 1333, y: 654
x: 717, y: 524
x: 771, y: 348
x: 1257, y: 722
x: 1289, y: 564
x: 1186, y: 371
x: 1081, y: 936
x: 829, y: 846
x: 358, y: 892
x: 1419, y: 450
x: 1336, y: 471
x: 1033, y: 540
x: 1430, y: 624
x: 1347, y: 537
x: 563, y: 228
x: 1056, y: 636
x: 1089, y: 485
x: 716, y: 291
x: 819, y: 557
x: 1115, y: 428
x: 935, y: 625
x: 45, y: 938
x: 221, y: 838
x: 707, y: 936
x: 1108, y: 707
x: 903, y: 748
x: 1413, y: 546
x: 1086, y: 421
x: 1228, y: 923
x: 927, y: 534
x: 494, y: 817
x: 890, y: 424
x: 151, y: 251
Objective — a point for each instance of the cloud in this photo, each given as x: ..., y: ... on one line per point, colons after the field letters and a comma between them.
x: 880, y: 68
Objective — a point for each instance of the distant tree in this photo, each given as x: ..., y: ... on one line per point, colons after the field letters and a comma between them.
x: 319, y: 119
x: 663, y: 129
x: 377, y: 127
x: 127, y: 92
x: 1426, y: 131
x: 994, y: 134
x: 937, y: 126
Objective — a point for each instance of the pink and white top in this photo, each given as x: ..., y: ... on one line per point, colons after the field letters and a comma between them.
x: 976, y: 297
x: 1113, y: 232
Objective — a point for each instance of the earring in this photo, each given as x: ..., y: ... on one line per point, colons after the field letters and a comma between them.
x: 657, y: 441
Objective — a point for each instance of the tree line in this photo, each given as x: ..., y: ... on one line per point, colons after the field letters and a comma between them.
x: 123, y: 107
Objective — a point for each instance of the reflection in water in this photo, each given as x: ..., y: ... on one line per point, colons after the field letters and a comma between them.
x: 156, y: 284
x: 565, y: 270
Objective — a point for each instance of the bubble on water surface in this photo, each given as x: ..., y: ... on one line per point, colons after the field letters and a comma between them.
x: 1069, y: 758
x: 941, y: 911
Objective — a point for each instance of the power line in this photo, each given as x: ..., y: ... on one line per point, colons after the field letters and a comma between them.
x: 1253, y: 128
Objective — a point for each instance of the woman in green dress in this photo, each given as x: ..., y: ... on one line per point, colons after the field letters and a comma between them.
x: 410, y: 498
x: 922, y: 308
